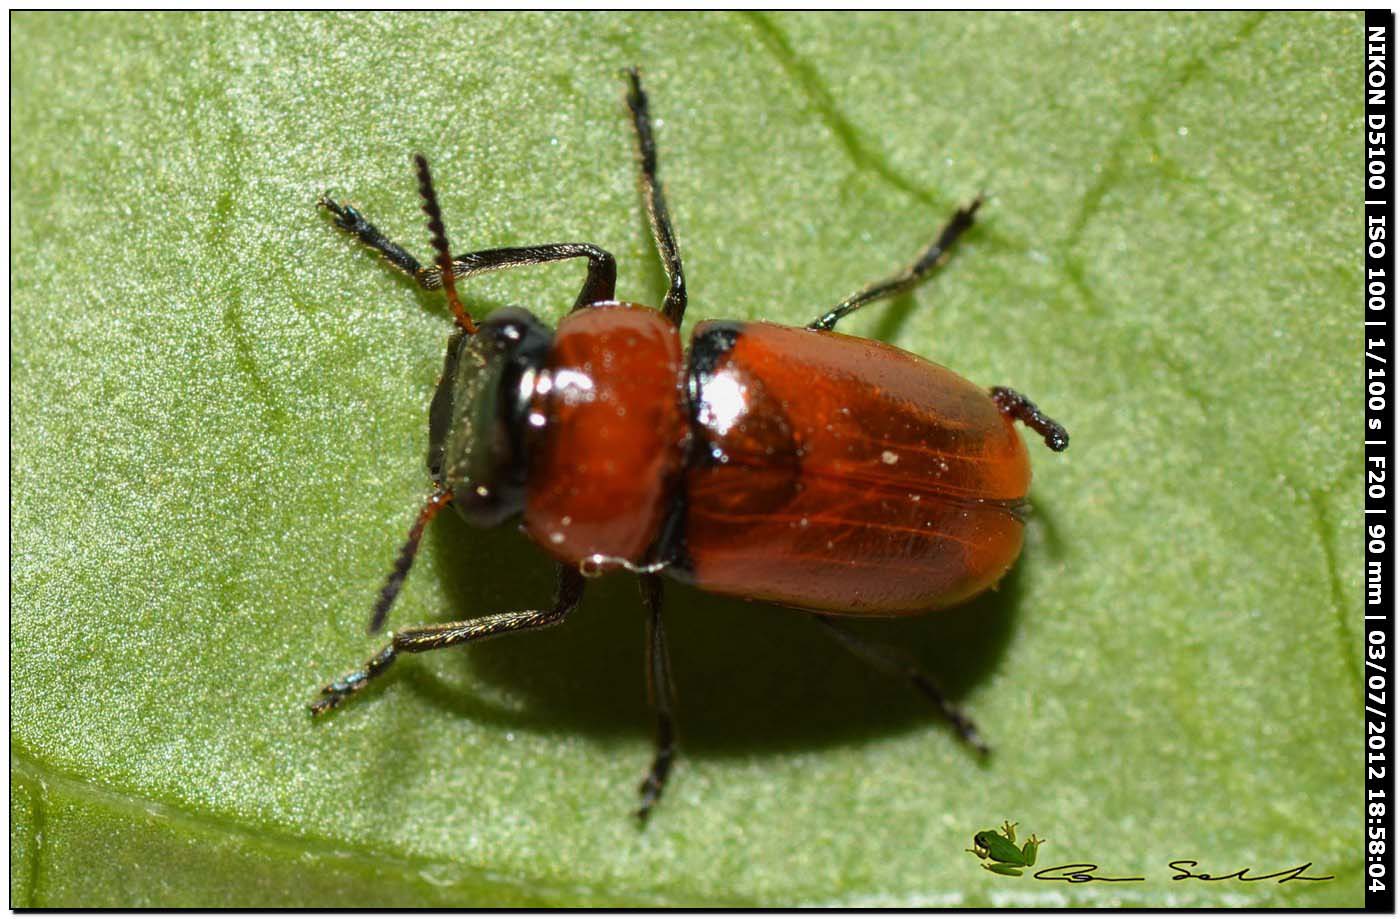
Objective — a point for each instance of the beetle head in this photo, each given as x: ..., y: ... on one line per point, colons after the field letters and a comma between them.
x: 477, y: 423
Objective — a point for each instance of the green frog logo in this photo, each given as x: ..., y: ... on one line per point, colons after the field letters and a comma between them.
x: 999, y: 853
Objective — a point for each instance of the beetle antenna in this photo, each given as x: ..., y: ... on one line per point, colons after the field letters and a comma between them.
x: 436, y: 502
x: 439, y: 239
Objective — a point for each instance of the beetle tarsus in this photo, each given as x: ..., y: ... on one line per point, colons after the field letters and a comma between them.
x: 1016, y: 406
x: 333, y: 694
x: 353, y: 222
x: 655, y: 783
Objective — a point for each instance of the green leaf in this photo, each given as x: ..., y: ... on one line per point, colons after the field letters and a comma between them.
x: 219, y: 426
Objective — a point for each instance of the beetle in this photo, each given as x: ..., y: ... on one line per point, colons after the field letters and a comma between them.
x: 801, y: 466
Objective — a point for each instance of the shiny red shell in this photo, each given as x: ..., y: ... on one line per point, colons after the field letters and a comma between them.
x: 849, y: 476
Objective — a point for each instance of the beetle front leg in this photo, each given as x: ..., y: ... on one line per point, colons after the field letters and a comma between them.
x: 599, y: 283
x: 447, y: 634
x: 354, y: 223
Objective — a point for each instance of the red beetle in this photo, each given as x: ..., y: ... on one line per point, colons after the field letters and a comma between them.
x: 833, y: 474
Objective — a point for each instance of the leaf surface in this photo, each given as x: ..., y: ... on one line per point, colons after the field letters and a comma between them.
x: 219, y: 428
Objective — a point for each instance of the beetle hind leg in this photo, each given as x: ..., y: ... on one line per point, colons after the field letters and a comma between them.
x: 899, y: 665
x: 1019, y: 408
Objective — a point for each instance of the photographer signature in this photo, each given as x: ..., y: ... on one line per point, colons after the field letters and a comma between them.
x: 1083, y: 873
x: 999, y: 854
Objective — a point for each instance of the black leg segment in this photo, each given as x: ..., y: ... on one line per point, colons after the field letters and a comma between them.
x: 661, y: 694
x: 932, y: 257
x: 899, y: 665
x: 674, y: 304
x: 354, y: 223
x: 447, y: 634
x: 1016, y: 406
x: 599, y: 285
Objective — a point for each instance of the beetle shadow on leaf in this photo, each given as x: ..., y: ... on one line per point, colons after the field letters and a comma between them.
x: 749, y: 676
x: 894, y: 316
x: 1044, y: 522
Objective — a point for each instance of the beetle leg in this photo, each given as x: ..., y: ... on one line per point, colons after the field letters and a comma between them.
x: 661, y: 695
x: 900, y: 666
x: 657, y: 214
x: 598, y: 285
x: 1016, y: 406
x: 447, y: 634
x: 932, y: 257
x: 354, y: 223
